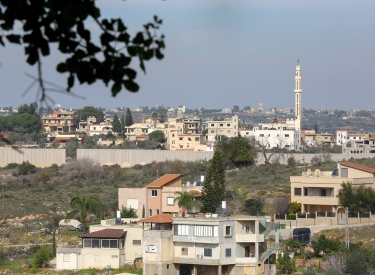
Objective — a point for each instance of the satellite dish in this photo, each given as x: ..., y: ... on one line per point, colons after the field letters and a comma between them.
x: 317, y: 172
x: 188, y: 184
x: 308, y: 172
x: 194, y: 183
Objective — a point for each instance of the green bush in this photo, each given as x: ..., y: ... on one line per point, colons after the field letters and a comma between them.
x: 285, y: 263
x: 11, y: 165
x: 42, y: 257
x: 327, y: 246
x: 26, y: 168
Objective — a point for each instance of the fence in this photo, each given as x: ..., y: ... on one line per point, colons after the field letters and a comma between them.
x: 38, y: 157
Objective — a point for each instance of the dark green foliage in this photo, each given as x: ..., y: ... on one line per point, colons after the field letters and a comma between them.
x: 237, y: 151
x: 11, y: 165
x: 213, y: 191
x: 357, y: 263
x: 53, y: 244
x: 88, y: 111
x: 285, y: 263
x: 116, y: 124
x: 292, y: 162
x: 20, y: 123
x: 162, y: 116
x: 128, y: 118
x: 128, y: 213
x: 292, y: 245
x: 26, y: 168
x: 157, y: 136
x: 143, y: 212
x: 42, y: 257
x: 65, y: 23
x: 253, y: 207
x: 327, y: 246
x: 71, y: 148
x: 356, y: 198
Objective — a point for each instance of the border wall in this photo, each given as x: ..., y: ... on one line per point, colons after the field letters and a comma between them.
x: 306, y: 158
x: 38, y: 157
x: 127, y: 158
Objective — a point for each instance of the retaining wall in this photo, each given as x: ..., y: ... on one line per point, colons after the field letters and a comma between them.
x: 38, y: 157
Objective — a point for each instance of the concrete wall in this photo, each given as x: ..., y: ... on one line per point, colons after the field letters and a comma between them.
x: 38, y: 157
x: 306, y: 158
x: 131, y: 157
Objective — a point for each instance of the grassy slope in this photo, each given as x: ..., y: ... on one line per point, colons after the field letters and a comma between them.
x: 24, y: 195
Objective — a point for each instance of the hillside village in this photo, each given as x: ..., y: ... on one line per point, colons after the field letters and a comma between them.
x: 182, y: 192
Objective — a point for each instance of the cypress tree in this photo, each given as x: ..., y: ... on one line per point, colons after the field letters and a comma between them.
x: 128, y: 118
x: 213, y: 191
x: 116, y: 124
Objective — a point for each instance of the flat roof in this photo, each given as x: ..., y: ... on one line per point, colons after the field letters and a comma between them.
x: 106, y: 233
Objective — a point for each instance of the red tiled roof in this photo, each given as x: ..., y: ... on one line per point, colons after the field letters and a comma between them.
x: 160, y: 182
x: 106, y: 233
x: 358, y: 166
x: 160, y: 218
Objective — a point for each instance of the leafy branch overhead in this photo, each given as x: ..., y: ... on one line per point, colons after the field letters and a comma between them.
x: 65, y: 23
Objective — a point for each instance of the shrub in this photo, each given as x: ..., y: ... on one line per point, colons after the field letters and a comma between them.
x: 11, y: 165
x: 26, y: 168
x: 292, y: 162
x: 42, y: 257
x: 316, y: 160
x: 285, y: 263
x: 327, y: 246
x: 128, y: 213
x: 82, y: 169
x: 43, y: 175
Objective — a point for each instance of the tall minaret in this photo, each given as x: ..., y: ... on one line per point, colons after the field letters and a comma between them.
x: 298, y: 95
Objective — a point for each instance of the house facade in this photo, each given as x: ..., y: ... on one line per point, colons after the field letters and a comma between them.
x: 317, y: 191
x: 157, y: 197
x: 60, y: 121
x: 227, y: 127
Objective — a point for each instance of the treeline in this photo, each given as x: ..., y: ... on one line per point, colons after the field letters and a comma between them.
x: 26, y: 121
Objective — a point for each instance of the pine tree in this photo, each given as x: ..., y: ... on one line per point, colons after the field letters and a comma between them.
x: 123, y: 125
x: 162, y: 114
x: 213, y: 191
x: 128, y: 118
x: 116, y: 124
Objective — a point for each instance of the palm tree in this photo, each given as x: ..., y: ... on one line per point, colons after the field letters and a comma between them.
x: 84, y: 205
x: 239, y: 197
x: 185, y: 200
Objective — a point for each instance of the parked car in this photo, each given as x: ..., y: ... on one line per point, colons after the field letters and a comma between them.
x: 71, y: 225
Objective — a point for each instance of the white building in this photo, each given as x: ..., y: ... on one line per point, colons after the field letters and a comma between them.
x: 227, y: 127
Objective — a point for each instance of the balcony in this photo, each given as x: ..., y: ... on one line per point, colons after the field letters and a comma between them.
x: 199, y: 260
x: 193, y: 239
x: 249, y: 238
x: 246, y: 260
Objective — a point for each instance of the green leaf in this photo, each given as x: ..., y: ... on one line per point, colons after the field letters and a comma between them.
x: 131, y: 86
x: 158, y: 54
x: 61, y: 67
x: 131, y: 74
x: 14, y: 38
x: 1, y: 41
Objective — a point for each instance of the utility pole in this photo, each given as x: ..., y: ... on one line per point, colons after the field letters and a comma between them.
x: 347, y: 226
x: 2, y: 189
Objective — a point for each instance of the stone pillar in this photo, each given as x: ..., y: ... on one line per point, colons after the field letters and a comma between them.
x: 256, y: 227
x: 257, y: 251
x: 219, y: 270
x: 194, y: 270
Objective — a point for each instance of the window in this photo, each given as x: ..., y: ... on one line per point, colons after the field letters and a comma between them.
x: 206, y: 231
x: 181, y: 229
x: 286, y: 135
x: 228, y: 252
x: 228, y: 125
x: 212, y: 131
x: 137, y: 242
x: 172, y: 135
x: 228, y: 131
x: 180, y: 138
x: 228, y: 230
x: 170, y: 201
x: 157, y: 211
x: 109, y: 243
x: 344, y: 172
x: 154, y: 193
x: 150, y: 212
x: 261, y: 135
x: 98, y: 258
x: 247, y: 229
x: 208, y: 252
x: 212, y: 125
x: 221, y: 125
x: 184, y: 251
x: 323, y: 192
x: 297, y: 191
x: 66, y: 258
x: 197, y: 139
x: 94, y: 243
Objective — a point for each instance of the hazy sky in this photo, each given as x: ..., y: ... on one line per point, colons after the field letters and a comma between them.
x: 225, y: 52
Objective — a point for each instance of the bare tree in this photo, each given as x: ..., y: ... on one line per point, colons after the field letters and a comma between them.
x: 334, y: 264
x: 281, y: 151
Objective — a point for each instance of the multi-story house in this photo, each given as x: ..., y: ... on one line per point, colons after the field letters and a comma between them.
x: 157, y: 197
x: 82, y: 125
x: 317, y: 190
x: 205, y: 245
x: 227, y: 127
x: 98, y: 129
x: 272, y: 135
x: 61, y: 121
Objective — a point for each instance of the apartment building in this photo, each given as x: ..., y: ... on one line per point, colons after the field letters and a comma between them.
x: 273, y: 135
x: 227, y: 127
x: 204, y: 246
x: 99, y: 129
x: 356, y: 142
x: 317, y: 190
x: 60, y: 121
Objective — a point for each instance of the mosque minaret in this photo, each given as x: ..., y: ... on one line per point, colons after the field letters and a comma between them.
x: 298, y: 95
